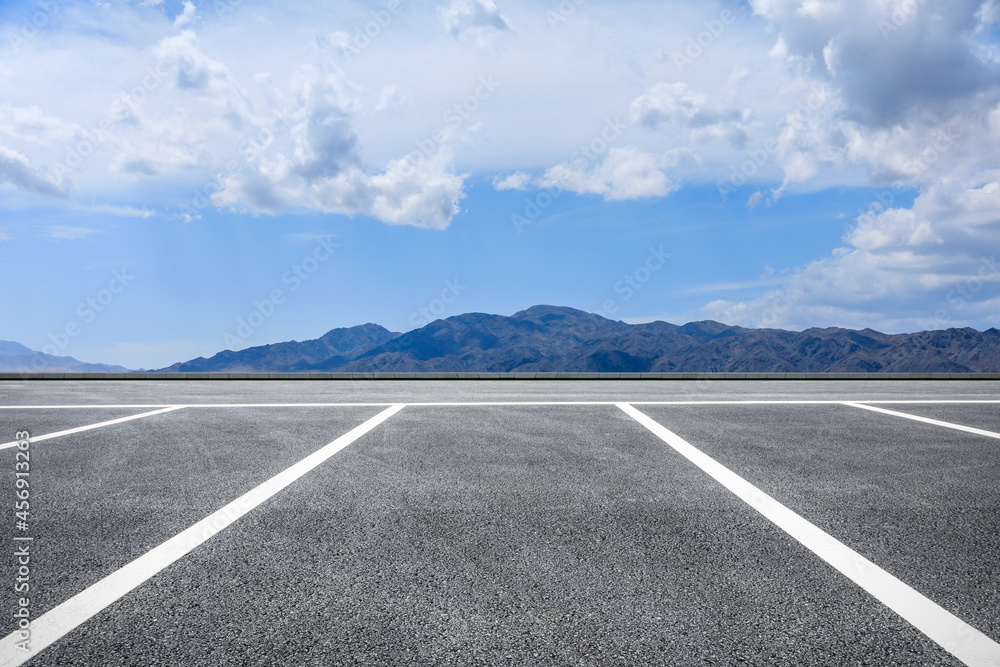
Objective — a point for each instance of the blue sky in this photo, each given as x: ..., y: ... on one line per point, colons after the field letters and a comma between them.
x: 181, y: 177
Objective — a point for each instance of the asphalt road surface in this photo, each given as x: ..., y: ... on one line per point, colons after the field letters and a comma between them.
x: 502, y: 523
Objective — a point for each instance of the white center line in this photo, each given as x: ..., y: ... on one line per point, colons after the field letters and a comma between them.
x: 61, y: 620
x: 80, y: 429
x: 926, y: 420
x: 953, y: 634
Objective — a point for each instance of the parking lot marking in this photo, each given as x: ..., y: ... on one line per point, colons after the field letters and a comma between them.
x: 956, y: 636
x: 462, y: 404
x: 926, y: 420
x: 81, y: 429
x: 80, y: 407
x: 64, y: 618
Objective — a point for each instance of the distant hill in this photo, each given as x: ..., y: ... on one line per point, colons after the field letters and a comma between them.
x: 16, y: 358
x: 551, y: 339
x: 334, y: 349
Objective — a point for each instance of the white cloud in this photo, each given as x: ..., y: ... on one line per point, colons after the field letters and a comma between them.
x: 624, y: 173
x: 687, y: 116
x: 891, y: 60
x: 894, y: 227
x: 17, y: 169
x: 65, y: 233
x: 989, y: 13
x: 122, y: 211
x: 32, y: 125
x: 828, y: 116
x: 903, y: 90
x: 192, y: 69
x: 186, y: 16
x: 516, y: 181
x: 478, y: 19
x: 421, y: 192
x: 931, y: 266
x: 391, y: 97
x: 317, y: 166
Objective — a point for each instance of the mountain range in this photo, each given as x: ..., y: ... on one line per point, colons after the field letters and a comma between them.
x: 553, y: 339
x: 558, y: 339
x: 16, y: 358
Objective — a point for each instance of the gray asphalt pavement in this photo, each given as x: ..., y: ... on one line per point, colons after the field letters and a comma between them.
x: 168, y: 392
x: 551, y: 535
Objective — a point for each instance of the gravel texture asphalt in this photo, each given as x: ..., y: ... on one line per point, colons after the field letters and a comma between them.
x: 522, y: 535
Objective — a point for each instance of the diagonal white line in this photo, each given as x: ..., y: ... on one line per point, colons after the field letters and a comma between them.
x: 61, y: 620
x: 80, y: 429
x: 926, y: 420
x: 956, y: 636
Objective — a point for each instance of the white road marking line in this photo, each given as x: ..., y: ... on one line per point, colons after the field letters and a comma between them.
x: 200, y: 405
x: 926, y: 420
x: 515, y: 404
x: 76, y: 407
x: 63, y: 619
x: 956, y: 636
x: 80, y: 429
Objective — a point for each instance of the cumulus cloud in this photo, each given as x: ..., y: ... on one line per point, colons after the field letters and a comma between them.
x: 416, y: 190
x: 206, y: 104
x: 904, y: 90
x: 516, y: 181
x: 17, y: 169
x: 185, y: 16
x: 854, y: 92
x: 931, y: 266
x: 476, y: 19
x: 321, y: 170
x: 676, y: 106
x: 624, y: 173
x: 31, y: 124
x: 894, y: 227
x: 192, y: 69
x: 891, y: 60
